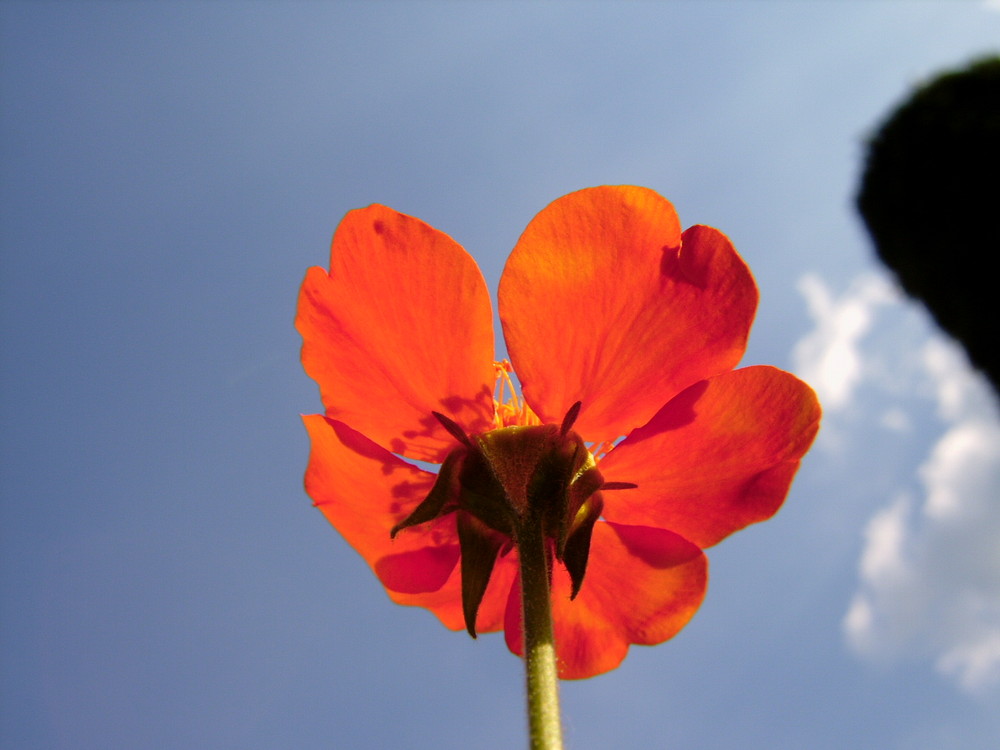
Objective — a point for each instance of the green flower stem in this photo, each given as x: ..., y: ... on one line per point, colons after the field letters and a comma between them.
x: 539, y: 643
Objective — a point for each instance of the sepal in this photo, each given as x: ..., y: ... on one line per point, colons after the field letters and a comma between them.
x: 576, y: 551
x: 512, y: 483
x: 443, y: 497
x: 480, y: 549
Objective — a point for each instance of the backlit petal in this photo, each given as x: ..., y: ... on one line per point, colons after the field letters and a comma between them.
x: 364, y: 491
x: 719, y: 456
x: 492, y: 610
x: 642, y: 586
x: 400, y: 326
x: 603, y: 300
x: 446, y: 603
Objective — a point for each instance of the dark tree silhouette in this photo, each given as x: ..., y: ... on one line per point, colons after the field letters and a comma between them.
x: 930, y: 197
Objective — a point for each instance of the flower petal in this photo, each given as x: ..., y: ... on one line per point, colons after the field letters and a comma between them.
x: 719, y: 456
x: 446, y: 602
x: 364, y: 491
x: 400, y: 326
x: 642, y: 586
x: 493, y: 608
x: 604, y: 301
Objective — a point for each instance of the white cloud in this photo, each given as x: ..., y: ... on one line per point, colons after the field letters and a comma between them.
x: 829, y: 358
x: 929, y: 572
x: 895, y: 419
x: 957, y: 388
x: 975, y: 664
x: 930, y: 569
x: 885, y: 559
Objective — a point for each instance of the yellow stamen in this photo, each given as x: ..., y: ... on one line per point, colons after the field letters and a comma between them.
x: 599, y: 450
x: 510, y: 410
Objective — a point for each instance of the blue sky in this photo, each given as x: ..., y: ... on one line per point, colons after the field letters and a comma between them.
x: 168, y: 172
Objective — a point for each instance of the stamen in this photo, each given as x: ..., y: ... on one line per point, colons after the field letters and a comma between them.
x: 509, y: 409
x: 600, y: 450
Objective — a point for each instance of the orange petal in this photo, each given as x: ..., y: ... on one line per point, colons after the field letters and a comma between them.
x: 446, y: 602
x: 492, y: 609
x: 718, y: 457
x: 604, y: 301
x: 642, y: 586
x: 363, y: 490
x: 401, y: 326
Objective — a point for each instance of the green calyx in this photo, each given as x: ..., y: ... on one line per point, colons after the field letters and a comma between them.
x: 501, y: 481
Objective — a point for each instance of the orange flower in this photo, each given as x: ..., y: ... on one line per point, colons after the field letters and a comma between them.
x: 604, y: 301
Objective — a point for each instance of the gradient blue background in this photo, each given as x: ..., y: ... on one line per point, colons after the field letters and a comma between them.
x: 168, y: 172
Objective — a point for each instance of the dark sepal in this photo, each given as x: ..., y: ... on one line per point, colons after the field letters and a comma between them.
x: 483, y: 495
x: 549, y: 493
x: 453, y: 428
x: 577, y: 547
x: 577, y: 494
x: 480, y: 547
x: 570, y: 418
x: 443, y: 497
x: 618, y: 486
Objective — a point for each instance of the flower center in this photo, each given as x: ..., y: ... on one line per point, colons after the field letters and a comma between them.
x: 523, y: 478
x: 511, y: 410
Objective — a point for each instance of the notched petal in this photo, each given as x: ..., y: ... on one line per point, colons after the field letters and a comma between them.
x: 603, y: 283
x: 400, y: 325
